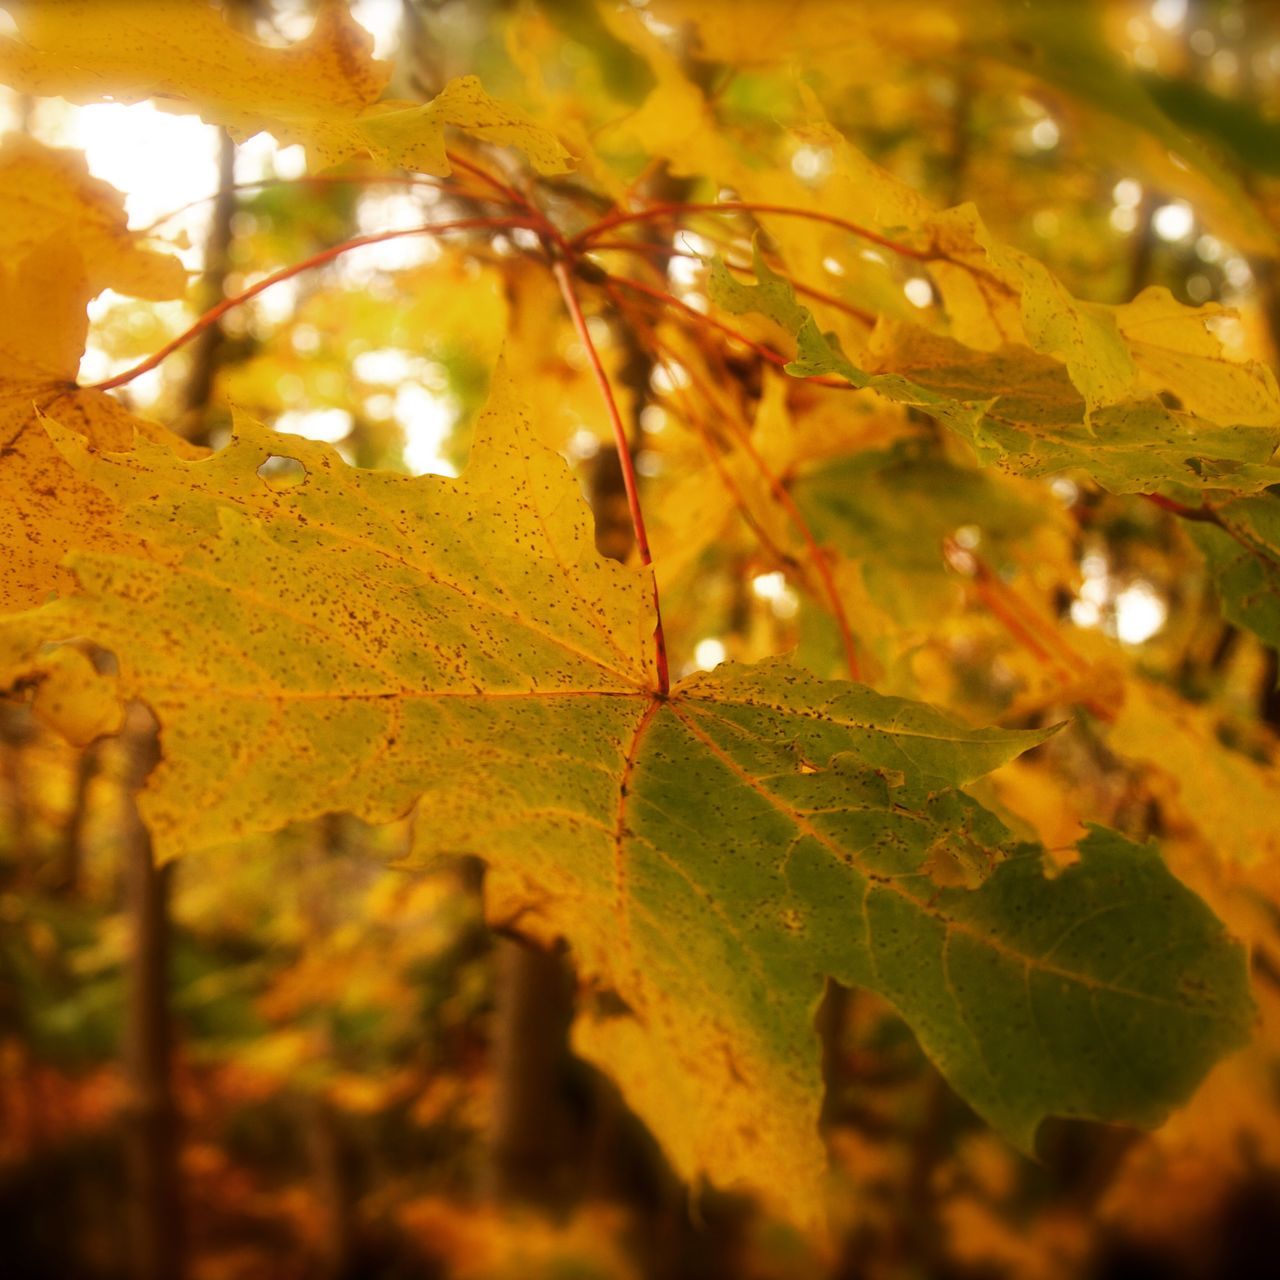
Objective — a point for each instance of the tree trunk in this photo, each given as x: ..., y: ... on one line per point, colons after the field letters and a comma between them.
x: 530, y: 1140
x: 197, y: 391
x: 15, y: 733
x: 151, y: 1120
x: 331, y: 1171
x: 71, y: 839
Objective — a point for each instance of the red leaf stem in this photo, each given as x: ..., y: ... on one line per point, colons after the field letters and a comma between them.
x: 215, y: 313
x: 565, y: 280
x: 1205, y: 514
x: 773, y: 357
x: 821, y: 564
x: 806, y: 290
x: 675, y: 209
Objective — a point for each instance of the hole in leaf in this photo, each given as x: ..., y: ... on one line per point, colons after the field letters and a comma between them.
x: 282, y: 472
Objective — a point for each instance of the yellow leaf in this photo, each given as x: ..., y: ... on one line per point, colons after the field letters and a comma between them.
x: 531, y: 39
x: 188, y: 58
x: 48, y: 194
x: 996, y: 294
x: 321, y: 92
x: 858, y: 188
x: 1229, y: 798
x: 1176, y: 351
x: 50, y: 509
x: 412, y: 136
x: 744, y: 1118
x: 43, y: 321
x: 63, y: 237
x: 74, y: 699
x: 1038, y: 797
x: 560, y: 400
x: 675, y: 119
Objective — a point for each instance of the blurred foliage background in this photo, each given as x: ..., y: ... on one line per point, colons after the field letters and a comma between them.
x: 350, y: 1041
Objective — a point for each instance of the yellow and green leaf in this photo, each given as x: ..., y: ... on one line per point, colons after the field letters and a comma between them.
x: 370, y: 642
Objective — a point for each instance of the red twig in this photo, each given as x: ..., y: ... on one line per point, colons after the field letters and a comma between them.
x: 539, y: 222
x: 806, y: 290
x: 673, y: 210
x: 984, y: 585
x: 503, y: 189
x: 1026, y: 626
x: 214, y: 314
x: 1205, y: 514
x: 561, y: 270
x: 821, y: 564
x: 773, y: 357
x: 991, y: 583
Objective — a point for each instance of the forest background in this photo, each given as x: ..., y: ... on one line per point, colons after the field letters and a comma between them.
x: 387, y: 888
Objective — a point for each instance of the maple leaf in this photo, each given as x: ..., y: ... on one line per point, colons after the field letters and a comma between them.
x: 48, y: 194
x: 1021, y: 413
x: 63, y: 238
x: 1022, y: 410
x: 367, y: 642
x: 322, y: 92
x: 1176, y: 351
x: 995, y: 294
x: 50, y: 509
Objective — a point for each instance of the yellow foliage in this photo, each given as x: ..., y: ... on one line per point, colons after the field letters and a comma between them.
x: 1230, y: 799
x: 321, y: 92
x: 48, y: 195
x: 189, y: 58
x: 715, y: 848
x: 1174, y: 347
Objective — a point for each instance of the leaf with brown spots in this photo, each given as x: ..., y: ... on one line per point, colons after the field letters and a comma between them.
x: 369, y: 642
x: 63, y: 238
x: 1032, y: 414
x: 49, y: 509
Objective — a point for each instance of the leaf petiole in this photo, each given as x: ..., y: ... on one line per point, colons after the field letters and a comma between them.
x: 560, y: 268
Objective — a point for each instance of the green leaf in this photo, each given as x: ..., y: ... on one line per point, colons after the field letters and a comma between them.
x: 1021, y: 411
x: 1028, y: 419
x: 819, y: 353
x: 1093, y: 994
x: 1028, y: 412
x: 1243, y: 552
